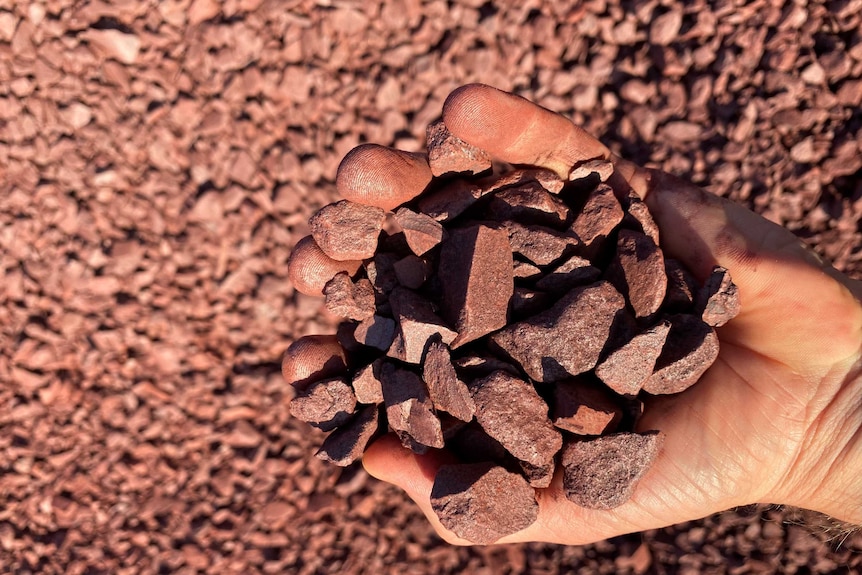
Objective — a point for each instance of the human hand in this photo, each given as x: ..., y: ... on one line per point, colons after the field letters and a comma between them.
x: 777, y: 418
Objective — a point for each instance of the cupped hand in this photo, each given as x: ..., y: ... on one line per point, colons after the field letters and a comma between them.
x: 776, y: 419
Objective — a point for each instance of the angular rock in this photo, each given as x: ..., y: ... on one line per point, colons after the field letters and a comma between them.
x: 528, y: 203
x: 584, y: 408
x: 476, y: 263
x: 627, y: 368
x: 638, y: 272
x: 598, y: 166
x: 482, y: 502
x: 566, y: 339
x: 538, y: 244
x: 376, y: 331
x: 691, y: 347
x: 447, y: 392
x: 638, y: 216
x: 681, y: 286
x: 325, y: 404
x: 602, y: 473
x: 525, y: 270
x: 413, y: 271
x: 575, y: 271
x: 538, y: 476
x: 366, y: 383
x: 409, y: 409
x: 510, y: 411
x: 450, y: 200
x: 417, y: 323
x: 422, y: 232
x: 347, y: 443
x: 346, y: 230
x: 448, y: 154
x: 345, y: 298
x: 718, y: 299
x: 601, y: 214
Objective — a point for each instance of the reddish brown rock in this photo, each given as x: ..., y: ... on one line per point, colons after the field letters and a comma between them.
x: 451, y: 199
x: 381, y: 273
x: 602, y: 473
x: 347, y: 443
x: 583, y: 407
x: 409, y: 409
x: 566, y: 339
x: 422, y: 232
x: 602, y: 168
x: 366, y: 383
x: 538, y: 244
x: 691, y: 347
x: 346, y: 230
x: 510, y: 411
x: 681, y: 286
x: 528, y: 203
x: 600, y: 215
x: 376, y: 331
x: 476, y: 263
x: 325, y: 404
x: 447, y: 392
x: 482, y: 502
x: 718, y: 298
x: 417, y: 323
x: 345, y: 298
x: 525, y: 270
x: 538, y: 476
x: 627, y: 368
x: 412, y: 271
x: 638, y: 272
x: 638, y: 216
x: 448, y: 154
x: 575, y: 271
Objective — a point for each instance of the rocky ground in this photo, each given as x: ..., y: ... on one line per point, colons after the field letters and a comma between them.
x: 159, y: 160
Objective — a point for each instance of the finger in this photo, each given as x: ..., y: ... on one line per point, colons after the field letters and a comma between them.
x: 518, y: 131
x: 383, y: 177
x: 312, y: 358
x: 309, y: 268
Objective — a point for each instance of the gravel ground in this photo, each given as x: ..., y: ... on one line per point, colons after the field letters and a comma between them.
x: 158, y: 161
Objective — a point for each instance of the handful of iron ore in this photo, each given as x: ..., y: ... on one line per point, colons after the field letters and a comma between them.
x: 514, y: 319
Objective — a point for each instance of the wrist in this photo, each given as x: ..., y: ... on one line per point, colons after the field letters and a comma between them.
x: 827, y: 473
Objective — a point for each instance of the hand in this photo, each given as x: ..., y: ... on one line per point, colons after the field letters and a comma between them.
x: 776, y: 419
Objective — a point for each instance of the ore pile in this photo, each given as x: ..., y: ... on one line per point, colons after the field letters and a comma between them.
x: 515, y: 319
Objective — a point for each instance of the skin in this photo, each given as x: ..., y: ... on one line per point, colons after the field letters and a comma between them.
x: 777, y: 418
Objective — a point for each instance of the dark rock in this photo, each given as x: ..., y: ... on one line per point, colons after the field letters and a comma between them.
x: 476, y: 263
x: 538, y: 476
x: 472, y: 444
x: 690, y: 349
x: 575, y: 271
x: 347, y: 443
x: 638, y: 272
x: 477, y: 365
x: 376, y: 331
x: 482, y: 502
x: 325, y: 404
x: 448, y: 154
x: 345, y: 298
x: 603, y: 168
x: 627, y: 368
x: 510, y: 411
x: 529, y: 203
x: 527, y: 302
x: 602, y: 473
x: 417, y: 322
x: 409, y: 409
x: 600, y: 215
x: 448, y: 393
x: 681, y: 286
x: 412, y: 271
x: 538, y: 244
x: 718, y: 299
x: 638, y: 217
x: 346, y: 230
x: 566, y: 339
x: 583, y: 407
x: 422, y: 232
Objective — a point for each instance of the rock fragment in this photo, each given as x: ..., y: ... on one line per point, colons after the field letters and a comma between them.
x: 510, y: 411
x: 575, y: 271
x: 691, y: 347
x: 718, y: 299
x: 422, y: 232
x: 538, y: 476
x: 638, y: 272
x: 538, y: 244
x: 627, y: 368
x: 602, y: 473
x: 347, y: 443
x: 529, y: 203
x: 527, y: 302
x: 482, y: 502
x: 447, y: 392
x: 602, y: 168
x: 325, y: 404
x: 366, y: 383
x: 582, y: 407
x: 448, y: 154
x: 409, y: 409
x: 376, y: 331
x: 638, y: 216
x: 476, y: 263
x: 600, y: 215
x: 346, y: 230
x: 412, y: 271
x: 417, y: 323
x: 347, y: 299
x: 681, y: 286
x: 566, y: 339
